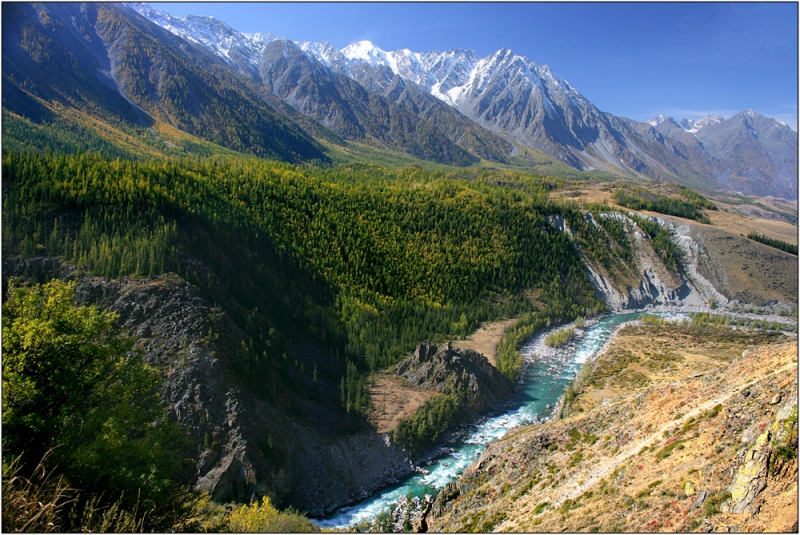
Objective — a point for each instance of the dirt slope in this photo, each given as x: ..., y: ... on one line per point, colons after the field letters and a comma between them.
x: 677, y: 429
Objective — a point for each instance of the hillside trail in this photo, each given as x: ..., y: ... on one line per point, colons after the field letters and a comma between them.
x: 595, y: 475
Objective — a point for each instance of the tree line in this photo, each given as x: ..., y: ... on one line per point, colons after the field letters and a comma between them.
x: 637, y: 198
x: 786, y: 247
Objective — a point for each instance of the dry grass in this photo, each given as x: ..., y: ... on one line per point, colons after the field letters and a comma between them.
x: 33, y: 505
x: 485, y: 339
x: 636, y: 461
x: 588, y: 193
x: 392, y: 401
x: 738, y: 224
x: 744, y: 269
x: 644, y: 355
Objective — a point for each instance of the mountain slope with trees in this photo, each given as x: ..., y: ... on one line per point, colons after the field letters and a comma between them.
x: 319, y: 276
x: 107, y: 61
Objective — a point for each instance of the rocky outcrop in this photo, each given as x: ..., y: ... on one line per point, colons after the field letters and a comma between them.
x: 763, y: 459
x: 438, y: 368
x: 646, y: 281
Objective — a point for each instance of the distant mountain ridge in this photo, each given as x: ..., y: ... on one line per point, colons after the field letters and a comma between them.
x: 755, y: 151
x: 528, y: 104
x: 688, y: 125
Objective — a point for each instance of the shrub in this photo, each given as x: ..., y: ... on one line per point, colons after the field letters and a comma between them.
x: 711, y: 506
x: 263, y: 517
x: 667, y: 450
x: 560, y: 337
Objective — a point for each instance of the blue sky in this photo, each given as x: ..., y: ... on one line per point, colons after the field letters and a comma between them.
x: 636, y: 60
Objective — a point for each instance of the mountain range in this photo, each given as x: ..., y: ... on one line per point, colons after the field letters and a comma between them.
x: 266, y: 95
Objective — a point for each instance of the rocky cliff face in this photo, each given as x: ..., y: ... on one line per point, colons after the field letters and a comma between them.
x: 647, y: 282
x: 436, y: 368
x: 350, y: 110
x: 246, y: 446
x: 768, y: 458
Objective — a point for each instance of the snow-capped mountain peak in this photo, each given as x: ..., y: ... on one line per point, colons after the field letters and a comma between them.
x: 211, y: 33
x: 449, y: 75
x: 324, y: 52
x: 693, y: 126
x: 503, y: 92
x: 365, y: 51
x: 655, y: 121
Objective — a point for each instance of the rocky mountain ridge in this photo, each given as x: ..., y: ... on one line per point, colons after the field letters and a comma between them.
x: 135, y: 65
x: 646, y: 281
x: 344, y: 106
x: 754, y: 153
x: 109, y: 63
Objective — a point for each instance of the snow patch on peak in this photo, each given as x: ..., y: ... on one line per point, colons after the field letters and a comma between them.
x: 655, y: 121
x: 693, y: 126
x: 324, y: 52
x: 211, y: 33
x: 456, y: 77
x: 365, y: 51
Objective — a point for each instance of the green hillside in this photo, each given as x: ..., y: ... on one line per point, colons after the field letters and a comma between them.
x: 365, y: 257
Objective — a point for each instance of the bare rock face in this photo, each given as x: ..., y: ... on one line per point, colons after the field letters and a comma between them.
x: 760, y: 461
x: 438, y: 368
x: 751, y: 478
x: 647, y: 280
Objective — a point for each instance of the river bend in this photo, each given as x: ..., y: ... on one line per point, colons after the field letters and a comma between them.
x: 547, y: 373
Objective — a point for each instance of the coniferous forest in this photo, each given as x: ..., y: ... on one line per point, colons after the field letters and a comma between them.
x: 377, y: 259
